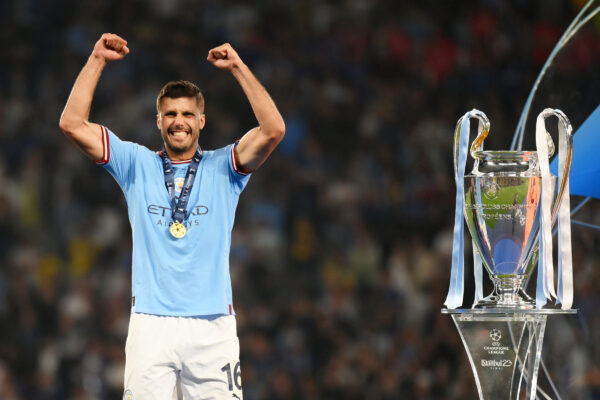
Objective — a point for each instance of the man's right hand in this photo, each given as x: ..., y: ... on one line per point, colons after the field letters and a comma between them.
x: 111, y: 47
x: 74, y: 122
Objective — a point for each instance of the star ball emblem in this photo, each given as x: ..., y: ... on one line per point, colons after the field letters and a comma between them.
x: 495, y: 335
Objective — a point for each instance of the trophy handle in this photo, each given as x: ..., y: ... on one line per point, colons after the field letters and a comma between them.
x: 562, y: 118
x: 485, y: 123
x: 477, y: 143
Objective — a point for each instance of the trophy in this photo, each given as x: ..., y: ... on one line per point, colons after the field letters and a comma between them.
x: 509, y: 202
x: 504, y: 199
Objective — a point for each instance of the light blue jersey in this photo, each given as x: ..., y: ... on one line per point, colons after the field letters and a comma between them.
x: 187, y: 276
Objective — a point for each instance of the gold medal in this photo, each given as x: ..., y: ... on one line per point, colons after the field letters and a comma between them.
x: 177, y: 230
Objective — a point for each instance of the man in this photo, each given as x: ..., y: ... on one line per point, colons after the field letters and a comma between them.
x: 181, y: 203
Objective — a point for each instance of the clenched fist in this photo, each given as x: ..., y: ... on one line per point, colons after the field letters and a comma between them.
x: 224, y: 57
x: 111, y: 47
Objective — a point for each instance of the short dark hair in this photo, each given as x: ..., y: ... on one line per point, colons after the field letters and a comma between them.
x: 176, y: 89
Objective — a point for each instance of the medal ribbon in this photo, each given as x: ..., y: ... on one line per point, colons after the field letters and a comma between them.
x: 178, y: 207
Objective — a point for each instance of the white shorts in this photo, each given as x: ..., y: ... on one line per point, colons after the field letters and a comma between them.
x: 182, y: 358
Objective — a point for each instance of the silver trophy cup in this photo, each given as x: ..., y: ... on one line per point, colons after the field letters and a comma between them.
x: 502, y: 197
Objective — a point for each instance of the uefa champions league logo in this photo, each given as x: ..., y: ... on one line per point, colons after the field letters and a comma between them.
x: 495, y: 335
x: 496, y: 351
x: 496, y: 347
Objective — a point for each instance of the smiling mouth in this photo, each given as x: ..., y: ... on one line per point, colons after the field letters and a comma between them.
x: 179, y: 133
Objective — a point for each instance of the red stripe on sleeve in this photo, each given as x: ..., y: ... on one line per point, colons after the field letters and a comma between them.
x: 234, y: 164
x: 105, y: 147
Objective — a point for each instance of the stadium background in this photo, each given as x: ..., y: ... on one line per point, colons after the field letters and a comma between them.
x: 340, y: 257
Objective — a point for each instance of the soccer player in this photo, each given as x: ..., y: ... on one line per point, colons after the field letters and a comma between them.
x: 181, y: 202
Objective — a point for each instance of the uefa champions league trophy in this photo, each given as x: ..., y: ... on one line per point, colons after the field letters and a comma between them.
x: 509, y: 202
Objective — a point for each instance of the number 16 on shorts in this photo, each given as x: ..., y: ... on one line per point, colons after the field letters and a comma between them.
x: 234, y: 376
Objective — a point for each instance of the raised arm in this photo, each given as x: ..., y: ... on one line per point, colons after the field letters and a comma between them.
x: 74, y: 119
x: 256, y: 145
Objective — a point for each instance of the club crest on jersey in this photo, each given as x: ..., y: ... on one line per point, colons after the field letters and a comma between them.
x: 179, y: 184
x: 128, y: 395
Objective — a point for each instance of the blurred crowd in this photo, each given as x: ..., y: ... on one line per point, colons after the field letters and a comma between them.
x: 341, y: 251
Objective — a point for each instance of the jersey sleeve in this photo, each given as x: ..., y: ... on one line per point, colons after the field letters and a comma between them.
x: 118, y: 158
x: 237, y: 178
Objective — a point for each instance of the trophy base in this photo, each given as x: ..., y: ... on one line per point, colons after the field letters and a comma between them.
x: 504, y: 348
x: 518, y: 300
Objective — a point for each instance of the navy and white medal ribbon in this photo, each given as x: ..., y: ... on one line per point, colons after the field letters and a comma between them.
x: 179, y: 205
